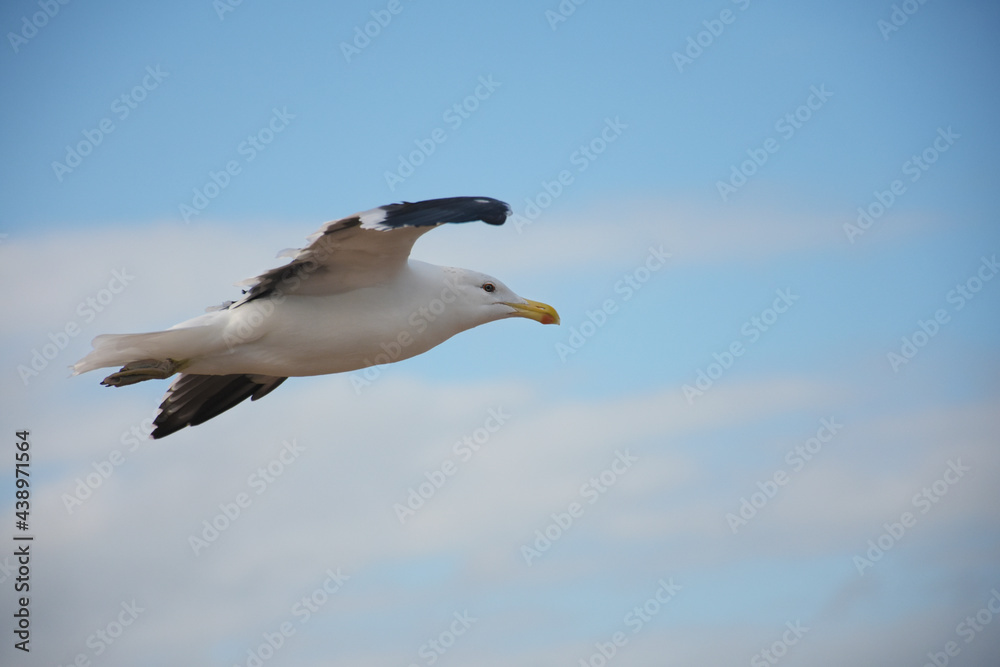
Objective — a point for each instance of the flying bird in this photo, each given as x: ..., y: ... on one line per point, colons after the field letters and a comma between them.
x: 351, y: 296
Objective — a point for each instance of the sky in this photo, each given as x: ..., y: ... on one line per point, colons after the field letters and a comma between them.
x: 764, y: 433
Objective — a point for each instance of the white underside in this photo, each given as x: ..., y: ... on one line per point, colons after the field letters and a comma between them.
x: 310, y: 335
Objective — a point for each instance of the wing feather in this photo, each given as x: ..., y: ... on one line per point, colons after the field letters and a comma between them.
x: 366, y: 248
x: 194, y: 399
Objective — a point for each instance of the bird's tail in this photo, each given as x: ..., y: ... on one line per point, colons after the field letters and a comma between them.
x: 121, y: 349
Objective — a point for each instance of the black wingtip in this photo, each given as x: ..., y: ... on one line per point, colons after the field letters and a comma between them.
x: 194, y: 399
x: 448, y: 209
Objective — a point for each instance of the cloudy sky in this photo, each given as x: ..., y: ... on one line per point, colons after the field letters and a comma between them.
x: 766, y: 431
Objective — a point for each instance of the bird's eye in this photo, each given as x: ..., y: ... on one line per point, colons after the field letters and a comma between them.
x: 489, y: 287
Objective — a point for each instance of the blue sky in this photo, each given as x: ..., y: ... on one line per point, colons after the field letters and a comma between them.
x: 257, y: 120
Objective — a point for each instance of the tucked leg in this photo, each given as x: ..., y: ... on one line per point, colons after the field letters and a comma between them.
x: 138, y: 371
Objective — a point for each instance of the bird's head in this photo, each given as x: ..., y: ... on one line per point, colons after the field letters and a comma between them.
x: 491, y: 300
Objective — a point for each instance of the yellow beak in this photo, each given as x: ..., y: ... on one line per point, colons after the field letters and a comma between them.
x: 534, y: 310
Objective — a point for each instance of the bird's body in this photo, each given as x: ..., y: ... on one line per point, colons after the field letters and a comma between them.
x: 295, y: 335
x: 350, y: 300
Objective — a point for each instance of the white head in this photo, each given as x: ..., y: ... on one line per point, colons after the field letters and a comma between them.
x: 484, y: 299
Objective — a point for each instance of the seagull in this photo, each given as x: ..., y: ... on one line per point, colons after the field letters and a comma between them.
x: 350, y: 299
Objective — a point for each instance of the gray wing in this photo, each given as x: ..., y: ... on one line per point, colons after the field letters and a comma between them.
x: 366, y: 248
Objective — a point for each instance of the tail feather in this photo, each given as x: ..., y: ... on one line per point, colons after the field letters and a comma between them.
x: 194, y: 399
x: 178, y: 343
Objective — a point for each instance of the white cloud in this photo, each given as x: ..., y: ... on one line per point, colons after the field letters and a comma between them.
x: 180, y: 269
x: 333, y: 507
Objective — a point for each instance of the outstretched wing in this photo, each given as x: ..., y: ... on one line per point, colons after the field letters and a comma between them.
x: 366, y: 248
x: 194, y: 399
